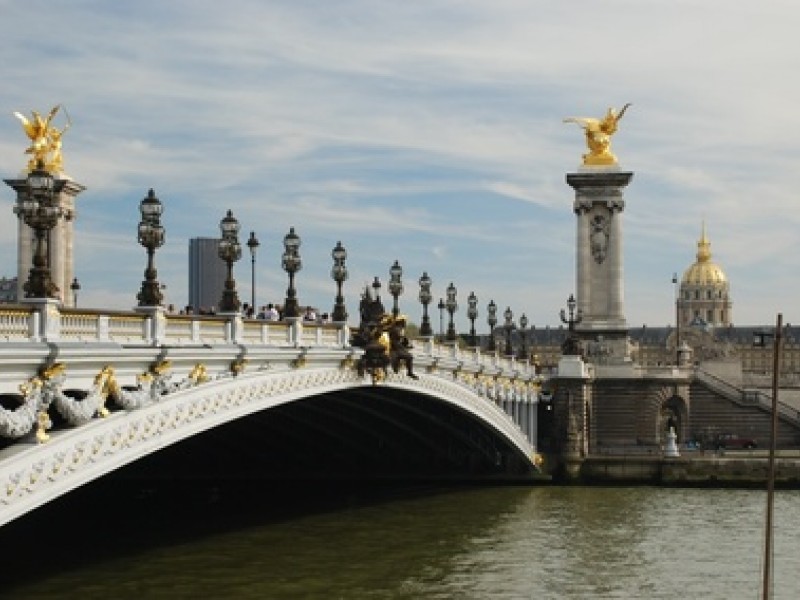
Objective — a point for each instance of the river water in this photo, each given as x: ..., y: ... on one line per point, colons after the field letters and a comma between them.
x: 487, y: 542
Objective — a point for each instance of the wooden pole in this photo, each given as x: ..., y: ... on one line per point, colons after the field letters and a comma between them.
x: 776, y: 363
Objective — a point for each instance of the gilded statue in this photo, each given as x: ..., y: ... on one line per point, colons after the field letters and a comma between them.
x: 598, y: 136
x: 45, y: 148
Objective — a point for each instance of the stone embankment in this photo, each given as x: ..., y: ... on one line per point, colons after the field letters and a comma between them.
x: 728, y: 469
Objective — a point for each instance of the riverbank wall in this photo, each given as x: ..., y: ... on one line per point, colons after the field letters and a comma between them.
x: 718, y: 470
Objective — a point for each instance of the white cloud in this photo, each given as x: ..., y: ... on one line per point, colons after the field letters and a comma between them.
x: 427, y: 132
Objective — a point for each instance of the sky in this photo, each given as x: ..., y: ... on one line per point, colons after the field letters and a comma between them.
x: 427, y: 132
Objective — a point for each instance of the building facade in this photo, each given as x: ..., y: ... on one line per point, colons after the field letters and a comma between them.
x: 207, y: 272
x: 704, y: 296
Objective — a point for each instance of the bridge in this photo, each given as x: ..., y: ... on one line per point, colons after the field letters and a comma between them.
x: 85, y: 393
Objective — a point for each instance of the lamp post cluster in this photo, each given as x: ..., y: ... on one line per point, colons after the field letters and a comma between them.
x: 492, y: 321
x: 41, y: 211
x: 291, y: 263
x: 523, y: 345
x: 151, y: 236
x: 472, y: 314
x: 425, y: 298
x: 395, y: 285
x: 339, y: 275
x: 230, y: 250
x: 452, y: 305
x: 508, y: 315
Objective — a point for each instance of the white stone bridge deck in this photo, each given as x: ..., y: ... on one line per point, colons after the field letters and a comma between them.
x: 86, y: 392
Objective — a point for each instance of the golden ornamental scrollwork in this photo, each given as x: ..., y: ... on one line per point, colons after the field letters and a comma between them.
x: 199, y: 374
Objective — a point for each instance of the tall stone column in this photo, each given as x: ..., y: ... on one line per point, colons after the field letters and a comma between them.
x: 61, y: 242
x: 600, y: 297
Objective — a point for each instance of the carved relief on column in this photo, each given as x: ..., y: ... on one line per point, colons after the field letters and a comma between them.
x: 599, y: 232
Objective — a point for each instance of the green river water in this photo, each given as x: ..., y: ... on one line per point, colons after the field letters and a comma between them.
x: 486, y: 542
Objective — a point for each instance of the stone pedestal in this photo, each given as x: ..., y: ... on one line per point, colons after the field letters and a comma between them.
x: 61, y: 240
x: 598, y: 207
x: 155, y: 324
x: 572, y: 404
x: 46, y: 319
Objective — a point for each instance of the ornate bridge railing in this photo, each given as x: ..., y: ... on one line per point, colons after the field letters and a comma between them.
x: 63, y: 357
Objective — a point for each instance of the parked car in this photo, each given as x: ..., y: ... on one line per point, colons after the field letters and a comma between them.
x: 731, y: 441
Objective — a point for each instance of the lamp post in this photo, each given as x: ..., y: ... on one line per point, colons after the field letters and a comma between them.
x: 492, y: 321
x: 40, y: 211
x: 441, y: 307
x: 677, y: 319
x: 472, y: 314
x: 395, y: 285
x: 253, y: 245
x: 291, y: 264
x: 509, y: 327
x: 151, y: 236
x: 339, y: 275
x: 451, y: 306
x: 425, y: 298
x: 571, y: 346
x: 523, y: 346
x: 230, y: 250
x: 376, y: 288
x: 75, y: 286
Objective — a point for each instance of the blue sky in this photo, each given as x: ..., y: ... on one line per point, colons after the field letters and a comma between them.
x: 428, y: 132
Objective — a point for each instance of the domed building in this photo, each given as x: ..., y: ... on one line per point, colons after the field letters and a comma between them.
x: 704, y: 291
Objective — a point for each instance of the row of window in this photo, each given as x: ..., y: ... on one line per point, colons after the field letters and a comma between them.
x: 710, y: 294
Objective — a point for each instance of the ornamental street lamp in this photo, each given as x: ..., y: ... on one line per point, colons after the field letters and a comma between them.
x: 230, y: 250
x: 253, y: 245
x: 425, y: 298
x: 395, y: 285
x: 492, y: 321
x: 523, y: 348
x: 40, y: 211
x: 509, y: 327
x: 571, y: 345
x: 574, y: 318
x: 291, y: 264
x: 451, y: 306
x: 376, y: 288
x: 441, y: 308
x: 472, y: 314
x: 339, y: 275
x: 75, y: 286
x: 151, y: 236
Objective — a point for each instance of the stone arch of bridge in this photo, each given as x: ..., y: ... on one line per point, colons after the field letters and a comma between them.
x: 322, y: 414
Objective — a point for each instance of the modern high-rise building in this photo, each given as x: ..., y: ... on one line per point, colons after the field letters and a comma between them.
x: 207, y: 272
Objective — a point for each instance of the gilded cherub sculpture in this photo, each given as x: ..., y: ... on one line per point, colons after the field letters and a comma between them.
x: 45, y: 148
x: 598, y: 136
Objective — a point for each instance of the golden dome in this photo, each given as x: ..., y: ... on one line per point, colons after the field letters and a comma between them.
x: 704, y: 271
